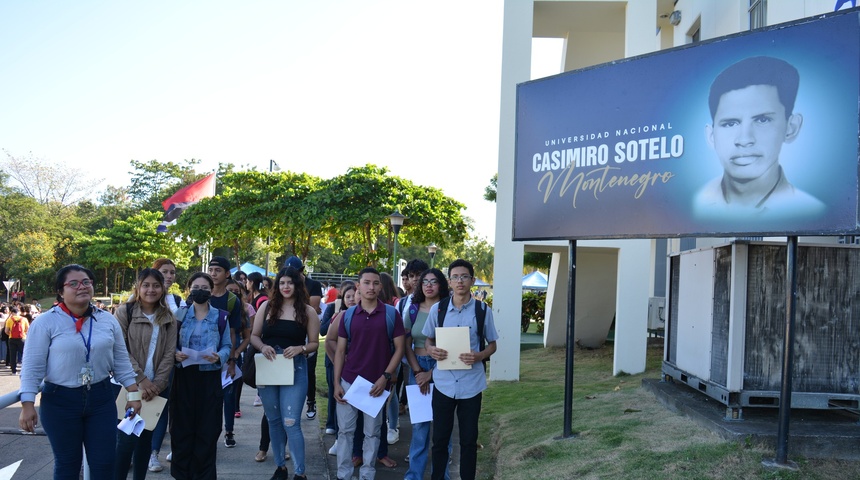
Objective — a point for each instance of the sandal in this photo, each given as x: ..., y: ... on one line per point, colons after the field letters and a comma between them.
x: 357, y: 461
x: 261, y: 456
x: 387, y: 461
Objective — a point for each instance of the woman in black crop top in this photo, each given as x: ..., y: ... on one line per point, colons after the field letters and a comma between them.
x: 287, y: 325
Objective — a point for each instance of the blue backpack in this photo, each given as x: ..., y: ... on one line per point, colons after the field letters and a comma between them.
x: 390, y: 316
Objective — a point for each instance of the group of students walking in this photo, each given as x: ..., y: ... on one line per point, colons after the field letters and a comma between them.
x: 161, y: 345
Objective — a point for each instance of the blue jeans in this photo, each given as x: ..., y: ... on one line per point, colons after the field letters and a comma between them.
x: 419, y: 448
x: 161, y: 427
x: 331, y: 415
x: 283, y: 407
x: 229, y: 407
x: 138, y: 447
x: 75, y: 416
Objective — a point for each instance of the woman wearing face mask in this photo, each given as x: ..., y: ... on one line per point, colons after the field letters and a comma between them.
x: 196, y: 397
x: 149, y: 330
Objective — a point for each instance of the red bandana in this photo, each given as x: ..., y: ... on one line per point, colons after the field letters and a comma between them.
x: 79, y: 321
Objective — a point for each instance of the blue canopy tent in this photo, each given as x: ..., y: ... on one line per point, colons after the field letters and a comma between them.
x: 248, y: 267
x: 535, y: 281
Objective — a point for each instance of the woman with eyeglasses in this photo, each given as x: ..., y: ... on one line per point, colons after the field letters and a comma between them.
x: 330, y: 323
x: 431, y: 288
x: 78, y: 403
x: 196, y: 397
x: 150, y: 335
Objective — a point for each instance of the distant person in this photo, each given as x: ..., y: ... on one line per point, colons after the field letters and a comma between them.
x: 752, y: 111
x: 16, y: 328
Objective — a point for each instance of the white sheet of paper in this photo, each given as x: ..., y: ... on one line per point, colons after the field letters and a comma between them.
x: 225, y: 380
x: 420, y: 406
x: 150, y: 410
x: 359, y: 397
x: 195, y: 357
x: 276, y: 372
x: 131, y: 426
x: 454, y: 340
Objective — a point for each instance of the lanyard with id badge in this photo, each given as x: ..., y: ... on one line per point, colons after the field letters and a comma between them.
x: 87, y: 373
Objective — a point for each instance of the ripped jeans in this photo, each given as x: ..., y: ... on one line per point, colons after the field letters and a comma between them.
x: 283, y: 405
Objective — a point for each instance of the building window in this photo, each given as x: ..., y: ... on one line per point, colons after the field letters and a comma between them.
x: 758, y: 13
x: 849, y: 239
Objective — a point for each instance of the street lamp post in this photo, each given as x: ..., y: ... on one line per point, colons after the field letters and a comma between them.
x: 431, y: 249
x: 273, y: 167
x: 396, y: 220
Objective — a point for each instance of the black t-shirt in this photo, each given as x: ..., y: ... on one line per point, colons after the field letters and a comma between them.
x: 284, y: 333
x: 314, y: 287
x: 234, y: 317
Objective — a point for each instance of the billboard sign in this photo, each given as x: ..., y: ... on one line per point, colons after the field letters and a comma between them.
x: 752, y: 134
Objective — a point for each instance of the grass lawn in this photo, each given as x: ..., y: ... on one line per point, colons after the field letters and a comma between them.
x: 622, y: 431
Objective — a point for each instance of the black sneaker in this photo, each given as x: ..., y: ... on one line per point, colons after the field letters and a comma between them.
x: 312, y: 410
x: 229, y: 441
x: 280, y: 474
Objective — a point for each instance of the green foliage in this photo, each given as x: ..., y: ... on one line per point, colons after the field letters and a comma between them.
x: 537, y: 260
x: 534, y: 306
x: 357, y: 205
x: 491, y: 189
x: 153, y: 182
x: 134, y: 243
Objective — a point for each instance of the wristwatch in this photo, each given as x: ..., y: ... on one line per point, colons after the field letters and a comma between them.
x: 387, y: 376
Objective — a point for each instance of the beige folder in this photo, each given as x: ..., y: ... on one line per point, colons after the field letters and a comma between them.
x: 277, y: 372
x: 150, y: 410
x: 454, y: 340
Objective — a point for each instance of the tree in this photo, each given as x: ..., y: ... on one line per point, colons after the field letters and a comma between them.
x: 254, y: 205
x: 153, y: 182
x: 134, y: 243
x: 47, y: 181
x: 356, y: 206
x: 490, y: 190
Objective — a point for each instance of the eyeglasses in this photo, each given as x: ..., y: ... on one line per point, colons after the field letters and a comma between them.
x: 430, y: 281
x: 460, y: 278
x: 75, y: 284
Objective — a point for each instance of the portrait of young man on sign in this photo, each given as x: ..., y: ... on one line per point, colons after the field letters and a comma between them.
x: 752, y: 111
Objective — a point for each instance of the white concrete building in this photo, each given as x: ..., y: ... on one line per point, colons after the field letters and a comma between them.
x: 616, y: 278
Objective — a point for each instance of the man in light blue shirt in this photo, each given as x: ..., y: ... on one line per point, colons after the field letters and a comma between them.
x: 459, y: 390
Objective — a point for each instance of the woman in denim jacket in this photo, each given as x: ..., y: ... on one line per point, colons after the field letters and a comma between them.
x: 196, y: 398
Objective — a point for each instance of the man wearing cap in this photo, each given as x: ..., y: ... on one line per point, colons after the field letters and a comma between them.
x: 219, y: 270
x: 314, y: 289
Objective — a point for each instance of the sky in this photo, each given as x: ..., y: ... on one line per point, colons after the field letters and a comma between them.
x: 316, y: 86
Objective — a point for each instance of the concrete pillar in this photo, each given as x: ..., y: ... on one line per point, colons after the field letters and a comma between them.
x: 640, y: 35
x: 508, y: 266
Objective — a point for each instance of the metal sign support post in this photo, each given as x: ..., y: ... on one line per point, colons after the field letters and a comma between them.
x: 568, y: 370
x: 782, y: 460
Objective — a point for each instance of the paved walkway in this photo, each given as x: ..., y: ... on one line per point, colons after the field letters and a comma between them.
x: 36, y: 459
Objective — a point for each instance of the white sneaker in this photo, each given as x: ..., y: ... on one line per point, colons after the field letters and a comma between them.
x: 393, y: 436
x: 330, y: 431
x: 257, y: 401
x: 170, y: 457
x: 154, y: 464
x: 333, y: 449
